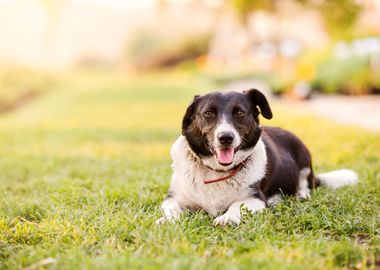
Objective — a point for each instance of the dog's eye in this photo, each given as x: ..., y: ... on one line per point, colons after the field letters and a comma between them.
x: 209, y: 114
x: 239, y: 114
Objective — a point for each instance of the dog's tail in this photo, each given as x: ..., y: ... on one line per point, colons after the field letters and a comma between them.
x: 337, y: 179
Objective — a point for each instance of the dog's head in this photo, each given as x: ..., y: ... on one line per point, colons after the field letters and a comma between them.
x: 220, y: 126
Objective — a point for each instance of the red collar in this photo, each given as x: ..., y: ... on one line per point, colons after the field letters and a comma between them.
x: 233, y: 172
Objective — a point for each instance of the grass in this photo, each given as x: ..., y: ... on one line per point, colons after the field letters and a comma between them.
x: 84, y: 168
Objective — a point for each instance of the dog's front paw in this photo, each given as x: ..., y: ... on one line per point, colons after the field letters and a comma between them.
x: 226, y: 219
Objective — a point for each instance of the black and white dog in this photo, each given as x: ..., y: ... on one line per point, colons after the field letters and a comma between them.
x: 225, y: 160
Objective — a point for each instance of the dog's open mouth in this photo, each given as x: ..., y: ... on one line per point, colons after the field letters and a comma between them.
x: 225, y: 156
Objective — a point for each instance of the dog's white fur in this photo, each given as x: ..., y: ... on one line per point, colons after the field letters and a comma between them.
x: 303, y: 189
x: 232, y: 216
x: 338, y: 178
x: 274, y: 200
x: 189, y: 191
x: 224, y: 126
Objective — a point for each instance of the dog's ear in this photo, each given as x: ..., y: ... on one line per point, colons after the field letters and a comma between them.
x: 259, y: 100
x: 189, y: 115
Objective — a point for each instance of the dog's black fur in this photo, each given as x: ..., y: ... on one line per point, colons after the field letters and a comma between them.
x: 287, y: 155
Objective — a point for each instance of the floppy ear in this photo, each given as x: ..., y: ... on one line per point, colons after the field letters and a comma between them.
x: 191, y: 131
x: 258, y: 99
x: 189, y: 115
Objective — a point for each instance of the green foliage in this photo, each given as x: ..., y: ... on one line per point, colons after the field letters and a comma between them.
x: 352, y: 74
x: 339, y: 16
x: 85, y: 168
x: 244, y: 7
x: 349, y: 76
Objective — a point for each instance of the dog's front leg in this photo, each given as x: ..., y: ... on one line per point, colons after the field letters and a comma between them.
x: 233, y: 216
x: 171, y: 209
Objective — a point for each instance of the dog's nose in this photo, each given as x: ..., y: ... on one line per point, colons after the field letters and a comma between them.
x: 226, y: 138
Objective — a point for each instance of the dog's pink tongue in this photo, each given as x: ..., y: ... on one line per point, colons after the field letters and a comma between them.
x: 225, y: 155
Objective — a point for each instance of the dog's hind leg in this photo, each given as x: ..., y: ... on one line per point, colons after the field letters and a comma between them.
x: 303, y: 184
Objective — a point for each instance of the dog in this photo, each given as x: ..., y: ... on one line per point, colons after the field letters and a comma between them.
x: 224, y: 160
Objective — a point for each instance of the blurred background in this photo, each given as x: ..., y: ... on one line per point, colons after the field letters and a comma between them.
x: 326, y: 53
x: 92, y: 94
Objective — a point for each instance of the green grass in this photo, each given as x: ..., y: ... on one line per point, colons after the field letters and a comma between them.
x: 84, y: 168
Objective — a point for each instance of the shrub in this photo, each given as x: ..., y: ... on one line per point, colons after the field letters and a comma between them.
x: 347, y: 76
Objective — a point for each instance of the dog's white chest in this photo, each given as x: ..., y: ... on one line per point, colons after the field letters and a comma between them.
x: 216, y: 197
x: 188, y: 186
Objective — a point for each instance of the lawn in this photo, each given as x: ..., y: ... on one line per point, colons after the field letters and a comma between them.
x: 84, y: 168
